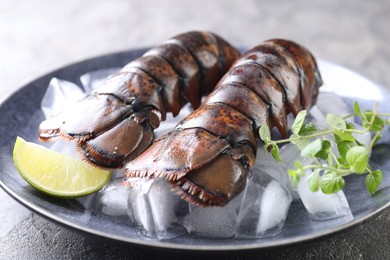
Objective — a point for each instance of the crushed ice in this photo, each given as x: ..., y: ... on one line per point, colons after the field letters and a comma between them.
x: 259, y: 211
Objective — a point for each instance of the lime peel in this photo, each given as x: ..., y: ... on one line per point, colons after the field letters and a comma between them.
x: 56, y: 174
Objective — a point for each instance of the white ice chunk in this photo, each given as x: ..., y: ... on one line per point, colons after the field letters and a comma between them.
x: 138, y: 206
x: 92, y: 80
x: 264, y: 207
x: 319, y: 205
x: 215, y: 222
x: 112, y: 200
x: 317, y: 117
x: 169, y: 124
x: 364, y: 139
x: 88, y: 202
x: 153, y: 207
x: 59, y: 95
x: 162, y: 202
x: 329, y: 102
x: 265, y: 162
x: 330, y: 223
x: 274, y: 207
x: 66, y: 148
x: 289, y: 153
x: 322, y: 206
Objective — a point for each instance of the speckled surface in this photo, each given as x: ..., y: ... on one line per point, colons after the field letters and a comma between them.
x: 39, y: 36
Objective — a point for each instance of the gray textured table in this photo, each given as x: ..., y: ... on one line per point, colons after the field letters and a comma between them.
x: 39, y: 36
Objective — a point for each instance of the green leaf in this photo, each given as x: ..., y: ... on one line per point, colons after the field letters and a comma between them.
x: 330, y: 160
x: 298, y: 122
x: 377, y: 139
x: 314, y: 181
x: 357, y: 109
x: 349, y: 125
x: 323, y: 153
x: 343, y: 162
x: 301, y: 144
x: 307, y: 129
x: 294, y: 177
x: 373, y: 180
x: 337, y: 139
x: 344, y: 146
x: 336, y: 121
x: 343, y: 136
x: 275, y: 152
x: 265, y: 133
x: 331, y: 182
x: 378, y: 123
x: 366, y: 121
x: 312, y: 149
x: 298, y: 165
x: 358, y: 157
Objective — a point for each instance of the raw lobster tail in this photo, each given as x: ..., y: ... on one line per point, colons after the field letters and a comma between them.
x: 209, y: 155
x: 115, y: 123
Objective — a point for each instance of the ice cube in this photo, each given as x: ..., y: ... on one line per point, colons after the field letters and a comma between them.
x: 92, y: 80
x: 153, y: 207
x: 66, y: 148
x: 317, y: 117
x: 163, y: 203
x: 322, y: 206
x: 59, y: 95
x: 138, y: 204
x: 264, y: 207
x: 289, y: 153
x: 275, y: 203
x: 88, y: 202
x: 266, y: 163
x: 364, y: 139
x: 329, y: 102
x: 214, y: 222
x: 330, y: 223
x: 112, y: 199
x: 169, y: 124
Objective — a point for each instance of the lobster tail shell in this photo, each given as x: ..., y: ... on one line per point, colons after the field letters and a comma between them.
x: 309, y: 74
x: 116, y: 122
x: 209, y: 154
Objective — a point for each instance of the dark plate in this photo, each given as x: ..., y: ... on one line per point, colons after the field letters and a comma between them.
x: 20, y: 115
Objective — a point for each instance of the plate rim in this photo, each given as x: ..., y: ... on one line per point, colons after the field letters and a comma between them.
x: 161, y: 245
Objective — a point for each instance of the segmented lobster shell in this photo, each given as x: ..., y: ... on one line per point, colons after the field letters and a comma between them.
x: 115, y: 123
x: 210, y: 153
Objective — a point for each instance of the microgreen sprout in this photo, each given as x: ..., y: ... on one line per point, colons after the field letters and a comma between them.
x: 331, y: 164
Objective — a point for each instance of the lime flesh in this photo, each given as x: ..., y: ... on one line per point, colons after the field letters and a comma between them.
x: 56, y: 174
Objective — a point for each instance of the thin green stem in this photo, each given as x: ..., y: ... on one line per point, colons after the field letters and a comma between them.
x: 367, y: 113
x: 334, y: 157
x: 348, y: 116
x: 342, y: 172
x: 383, y: 114
x: 374, y: 139
x: 293, y: 139
x: 337, y: 166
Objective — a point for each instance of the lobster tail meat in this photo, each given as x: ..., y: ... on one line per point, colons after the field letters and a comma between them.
x: 115, y: 123
x: 209, y: 155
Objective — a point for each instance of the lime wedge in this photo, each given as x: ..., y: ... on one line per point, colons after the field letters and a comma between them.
x: 56, y: 174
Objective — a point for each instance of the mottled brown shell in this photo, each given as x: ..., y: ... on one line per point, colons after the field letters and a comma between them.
x: 116, y: 122
x: 209, y: 155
